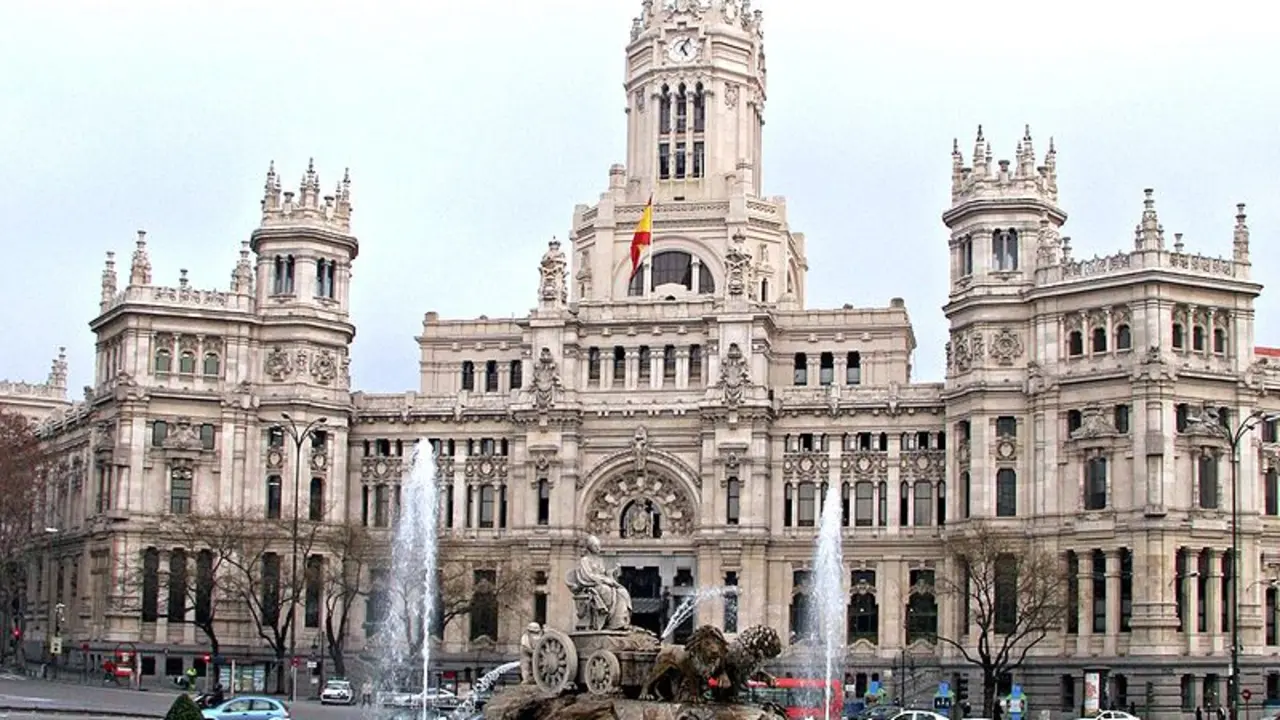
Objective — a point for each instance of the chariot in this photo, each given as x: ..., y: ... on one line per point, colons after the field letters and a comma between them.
x: 604, y: 662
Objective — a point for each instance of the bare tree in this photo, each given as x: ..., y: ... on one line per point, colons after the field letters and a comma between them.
x: 261, y: 576
x: 1013, y: 593
x: 467, y: 588
x: 350, y: 548
x: 24, y: 466
x: 211, y: 543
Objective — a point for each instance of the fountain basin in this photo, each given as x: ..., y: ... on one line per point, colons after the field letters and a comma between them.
x: 527, y: 702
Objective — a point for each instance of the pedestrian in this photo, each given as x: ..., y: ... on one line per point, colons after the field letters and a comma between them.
x: 191, y: 678
x: 366, y: 693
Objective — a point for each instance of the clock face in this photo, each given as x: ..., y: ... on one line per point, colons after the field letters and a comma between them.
x: 683, y: 49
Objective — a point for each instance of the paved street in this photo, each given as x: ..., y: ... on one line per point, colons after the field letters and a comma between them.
x: 22, y: 697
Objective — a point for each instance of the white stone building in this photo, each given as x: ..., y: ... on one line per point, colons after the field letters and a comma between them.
x: 690, y: 414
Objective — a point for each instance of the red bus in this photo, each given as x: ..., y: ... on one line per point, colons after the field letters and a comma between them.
x: 801, y: 697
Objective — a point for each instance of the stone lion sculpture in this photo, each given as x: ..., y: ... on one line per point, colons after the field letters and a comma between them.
x: 709, y: 656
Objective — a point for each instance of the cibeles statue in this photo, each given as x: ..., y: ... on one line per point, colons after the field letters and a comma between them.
x: 528, y: 641
x: 602, y: 601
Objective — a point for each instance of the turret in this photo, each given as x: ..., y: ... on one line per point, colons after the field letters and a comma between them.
x: 1149, y: 234
x: 1005, y: 219
x: 140, y: 272
x: 242, y: 275
x: 1240, y: 238
x: 58, y: 372
x: 108, y: 281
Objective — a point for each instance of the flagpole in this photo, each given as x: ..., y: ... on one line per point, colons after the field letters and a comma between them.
x: 648, y: 280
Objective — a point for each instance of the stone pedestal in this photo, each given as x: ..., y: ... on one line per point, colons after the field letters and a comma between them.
x: 525, y: 702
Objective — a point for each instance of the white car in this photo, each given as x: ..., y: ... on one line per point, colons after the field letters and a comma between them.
x: 337, y: 692
x: 1113, y: 715
x: 917, y: 715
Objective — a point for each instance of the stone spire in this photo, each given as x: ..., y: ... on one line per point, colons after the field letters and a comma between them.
x: 1026, y: 155
x: 271, y: 192
x: 309, y: 189
x: 108, y: 280
x: 981, y: 155
x: 242, y: 276
x: 58, y: 371
x: 140, y: 273
x: 1149, y: 235
x: 1240, y: 239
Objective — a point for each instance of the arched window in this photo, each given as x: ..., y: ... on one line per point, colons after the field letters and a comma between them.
x: 1124, y: 338
x: 699, y: 109
x: 853, y: 368
x: 278, y: 276
x: 883, y: 491
x: 275, y: 497
x: 942, y: 503
x: 664, y: 110
x: 315, y: 504
x: 904, y: 504
x: 1099, y: 340
x: 1219, y: 341
x: 1075, y: 343
x: 150, y: 584
x: 1178, y: 339
x: 674, y: 267
x: 212, y: 366
x: 468, y: 375
x: 1006, y: 493
x: 164, y: 361
x: 187, y: 363
x: 1197, y: 338
x: 1004, y: 250
x: 682, y: 108
x: 177, y: 585
x: 1271, y: 493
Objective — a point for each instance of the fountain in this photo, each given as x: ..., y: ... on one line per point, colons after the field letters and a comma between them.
x: 605, y: 668
x: 828, y: 608
x: 413, y: 556
x: 686, y: 609
x: 467, y: 707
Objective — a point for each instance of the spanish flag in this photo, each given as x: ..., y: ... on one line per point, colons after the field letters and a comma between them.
x: 643, y: 236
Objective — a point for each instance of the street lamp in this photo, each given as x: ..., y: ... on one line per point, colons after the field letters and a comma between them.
x: 1211, y: 422
x: 299, y: 436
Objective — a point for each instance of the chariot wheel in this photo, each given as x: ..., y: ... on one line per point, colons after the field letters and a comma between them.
x: 603, y: 673
x: 555, y: 662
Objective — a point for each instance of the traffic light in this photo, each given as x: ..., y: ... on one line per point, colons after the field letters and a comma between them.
x: 962, y: 688
x: 206, y: 658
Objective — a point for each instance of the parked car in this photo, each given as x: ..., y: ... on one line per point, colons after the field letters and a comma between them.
x: 337, y: 692
x: 248, y: 706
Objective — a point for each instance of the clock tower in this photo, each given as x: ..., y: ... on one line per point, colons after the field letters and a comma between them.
x: 696, y: 90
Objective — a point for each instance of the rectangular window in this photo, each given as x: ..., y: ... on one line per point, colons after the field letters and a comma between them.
x: 1073, y: 593
x: 275, y: 497
x: 593, y: 365
x: 544, y: 501
x: 517, y: 374
x: 207, y: 436
x: 1126, y: 590
x: 540, y: 607
x: 1006, y: 493
x: 853, y: 369
x: 484, y: 605
x: 181, y: 481
x: 733, y: 501
x: 923, y: 503
x: 487, y: 509
x: 1099, y: 582
x: 314, y: 591
x: 695, y: 364
x: 159, y: 432
x: 699, y: 159
x: 1007, y: 426
x: 1122, y: 418
x: 668, y: 364
x: 864, y: 503
x: 801, y: 373
x: 1095, y: 484
x: 806, y: 510
x: 664, y: 161
x: 680, y: 160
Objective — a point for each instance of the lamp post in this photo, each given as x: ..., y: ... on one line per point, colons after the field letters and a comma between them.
x: 299, y: 436
x: 1234, y: 435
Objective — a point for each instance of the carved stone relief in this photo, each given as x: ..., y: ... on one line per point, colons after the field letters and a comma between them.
x: 643, y: 497
x: 552, y: 271
x: 324, y: 368
x: 278, y: 364
x: 1006, y: 346
x: 546, y: 381
x: 735, y: 379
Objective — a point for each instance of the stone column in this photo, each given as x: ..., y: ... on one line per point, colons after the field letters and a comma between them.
x: 682, y: 368
x: 655, y: 369
x: 1113, y: 602
x: 633, y: 368
x: 1084, y: 599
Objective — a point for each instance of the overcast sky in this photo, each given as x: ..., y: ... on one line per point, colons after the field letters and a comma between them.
x: 472, y: 128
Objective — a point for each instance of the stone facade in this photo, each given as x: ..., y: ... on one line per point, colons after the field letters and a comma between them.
x: 38, y: 401
x: 691, y: 412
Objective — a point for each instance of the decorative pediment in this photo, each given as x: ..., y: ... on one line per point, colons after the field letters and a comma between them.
x: 640, y: 456
x: 1094, y: 424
